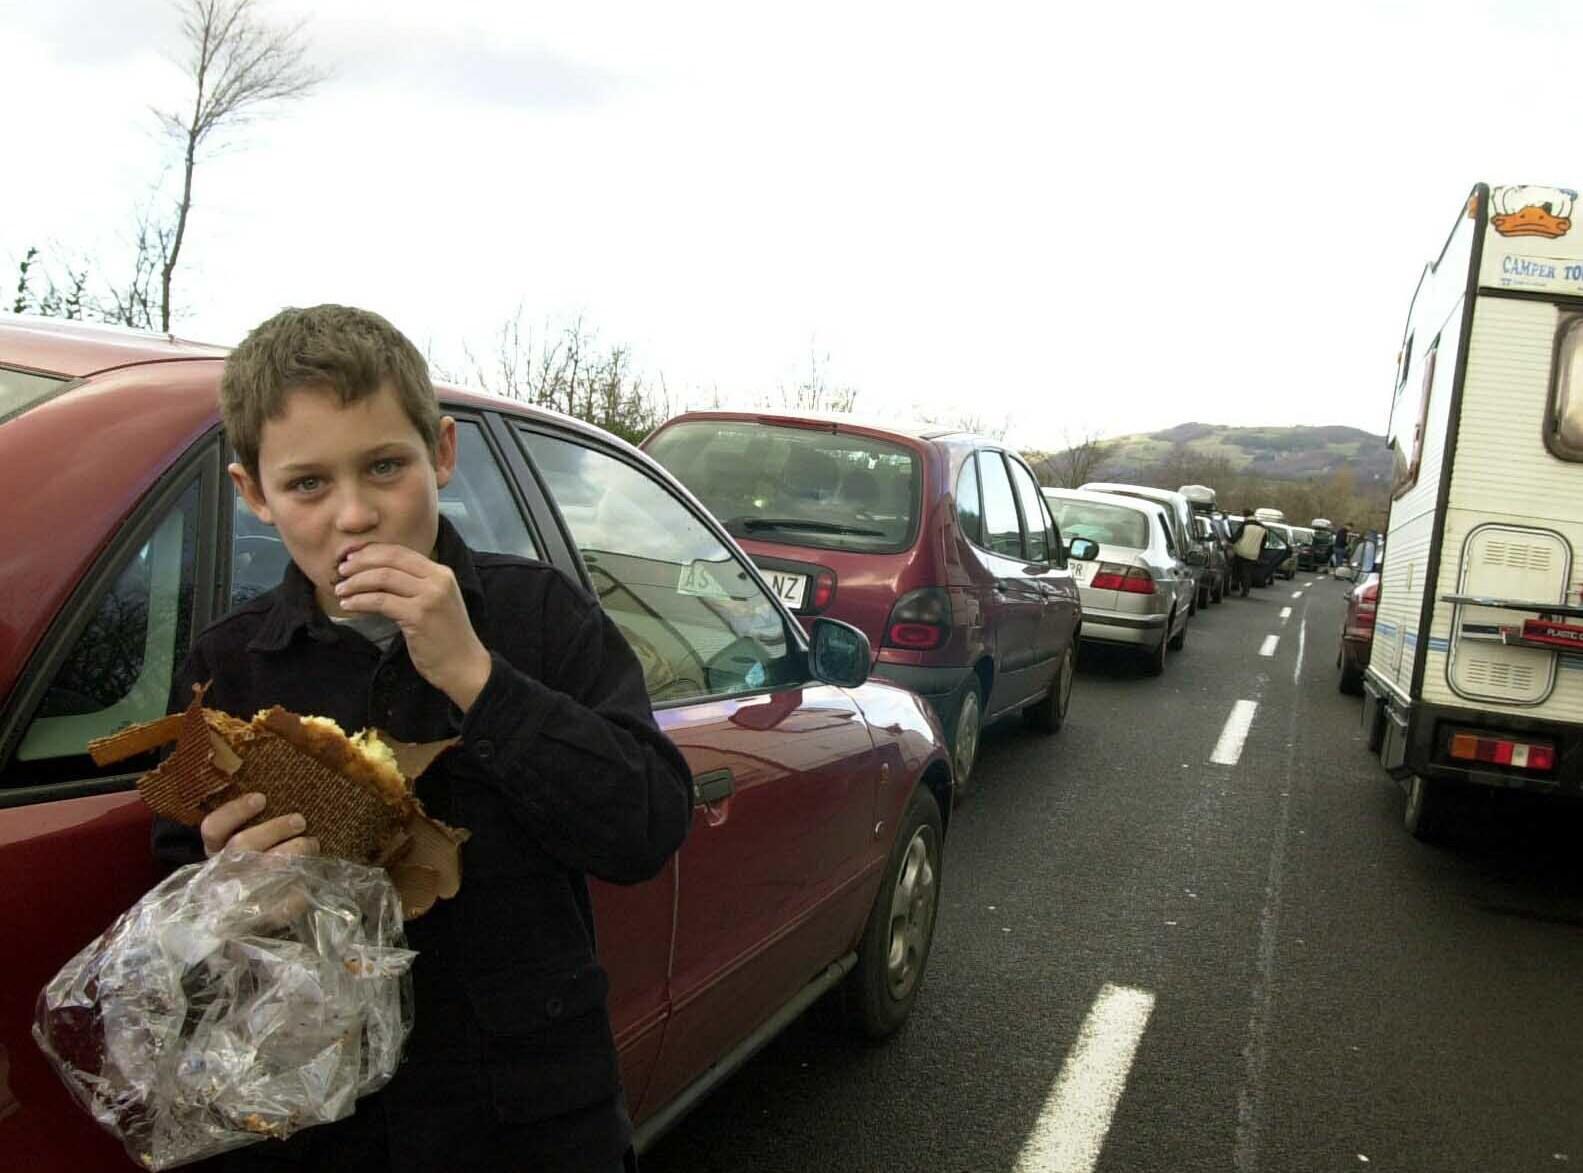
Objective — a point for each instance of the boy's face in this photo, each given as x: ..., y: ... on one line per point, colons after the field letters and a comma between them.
x: 332, y: 479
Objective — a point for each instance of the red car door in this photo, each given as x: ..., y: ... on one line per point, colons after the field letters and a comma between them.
x: 1016, y: 610
x: 785, y: 772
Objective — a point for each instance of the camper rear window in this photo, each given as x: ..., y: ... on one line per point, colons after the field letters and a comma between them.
x: 1564, y: 435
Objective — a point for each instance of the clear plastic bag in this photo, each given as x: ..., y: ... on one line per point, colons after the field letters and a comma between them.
x: 244, y: 998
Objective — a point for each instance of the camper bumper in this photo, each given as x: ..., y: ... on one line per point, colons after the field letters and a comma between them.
x: 1474, y: 747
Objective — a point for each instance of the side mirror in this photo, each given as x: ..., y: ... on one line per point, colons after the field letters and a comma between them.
x: 1083, y: 549
x: 840, y: 654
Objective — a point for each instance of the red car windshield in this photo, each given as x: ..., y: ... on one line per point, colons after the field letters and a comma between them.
x: 801, y: 486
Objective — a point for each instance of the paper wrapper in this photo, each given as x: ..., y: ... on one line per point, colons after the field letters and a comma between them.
x: 219, y: 757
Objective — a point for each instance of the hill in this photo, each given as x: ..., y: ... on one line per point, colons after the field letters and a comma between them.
x: 1265, y: 453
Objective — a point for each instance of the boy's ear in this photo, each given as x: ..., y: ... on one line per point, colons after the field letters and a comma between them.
x: 248, y: 488
x: 445, y: 452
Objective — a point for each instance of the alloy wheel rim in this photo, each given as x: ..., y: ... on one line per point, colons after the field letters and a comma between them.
x: 967, y: 736
x: 911, y: 916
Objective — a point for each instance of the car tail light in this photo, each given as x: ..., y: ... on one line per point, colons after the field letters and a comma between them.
x: 920, y: 620
x: 1111, y: 576
x: 1369, y: 597
x: 823, y: 590
x: 1502, y: 751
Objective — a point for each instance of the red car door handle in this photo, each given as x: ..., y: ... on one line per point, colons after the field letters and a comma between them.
x: 712, y: 787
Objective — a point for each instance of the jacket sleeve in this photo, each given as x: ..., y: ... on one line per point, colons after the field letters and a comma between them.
x: 174, y: 843
x: 577, y: 754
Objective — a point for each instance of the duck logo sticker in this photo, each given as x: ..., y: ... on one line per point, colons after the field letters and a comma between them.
x: 1532, y: 211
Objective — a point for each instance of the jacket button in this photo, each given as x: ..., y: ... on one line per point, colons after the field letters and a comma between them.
x: 553, y: 1007
x: 485, y: 749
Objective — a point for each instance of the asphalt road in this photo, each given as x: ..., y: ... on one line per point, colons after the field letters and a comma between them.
x: 1322, y: 992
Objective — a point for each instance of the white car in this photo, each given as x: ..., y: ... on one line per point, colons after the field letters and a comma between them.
x: 1136, y: 592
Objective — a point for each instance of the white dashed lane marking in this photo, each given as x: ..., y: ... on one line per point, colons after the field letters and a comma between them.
x: 1071, y: 1129
x: 1297, y: 594
x: 1286, y: 613
x: 1229, y: 748
x: 1271, y: 642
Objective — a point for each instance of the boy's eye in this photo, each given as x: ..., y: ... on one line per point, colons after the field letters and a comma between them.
x: 387, y: 466
x: 303, y: 485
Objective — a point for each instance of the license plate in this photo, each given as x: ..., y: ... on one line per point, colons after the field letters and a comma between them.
x: 1558, y: 635
x: 789, y: 587
x: 1081, y: 570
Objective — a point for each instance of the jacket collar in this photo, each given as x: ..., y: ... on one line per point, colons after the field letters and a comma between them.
x: 294, y: 607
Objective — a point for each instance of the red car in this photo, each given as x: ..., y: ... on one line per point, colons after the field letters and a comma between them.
x: 823, y: 799
x: 1357, y: 632
x: 936, y: 543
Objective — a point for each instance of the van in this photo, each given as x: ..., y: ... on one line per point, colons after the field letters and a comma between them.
x: 1475, y: 675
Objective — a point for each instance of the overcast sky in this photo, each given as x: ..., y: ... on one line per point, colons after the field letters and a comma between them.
x: 1106, y: 217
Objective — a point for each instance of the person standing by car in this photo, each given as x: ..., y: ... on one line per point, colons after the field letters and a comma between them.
x: 1247, y: 545
x: 1338, y: 552
x: 386, y: 614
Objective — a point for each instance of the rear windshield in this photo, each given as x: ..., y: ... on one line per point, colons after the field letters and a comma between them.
x: 1109, y: 525
x: 801, y: 486
x: 20, y: 390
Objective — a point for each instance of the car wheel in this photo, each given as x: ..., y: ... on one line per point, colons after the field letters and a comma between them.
x: 1425, y: 813
x: 965, y: 733
x: 1351, y: 681
x: 1217, y: 593
x: 1192, y: 604
x: 1154, y: 659
x: 895, y: 948
x: 1179, y: 640
x: 1049, y: 714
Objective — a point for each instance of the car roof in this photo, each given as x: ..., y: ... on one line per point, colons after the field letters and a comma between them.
x: 73, y: 349
x: 839, y: 421
x: 1136, y: 504
x: 1161, y: 496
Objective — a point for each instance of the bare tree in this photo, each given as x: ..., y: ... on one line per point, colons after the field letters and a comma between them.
x: 237, y: 65
x: 814, y: 393
x: 1080, y: 461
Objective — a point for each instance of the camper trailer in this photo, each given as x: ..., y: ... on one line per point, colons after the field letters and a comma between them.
x: 1475, y: 674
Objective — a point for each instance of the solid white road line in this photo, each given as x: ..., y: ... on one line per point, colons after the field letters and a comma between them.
x: 1286, y: 613
x: 1297, y: 594
x: 1229, y: 748
x: 1302, y: 634
x: 1270, y: 644
x: 1072, y: 1126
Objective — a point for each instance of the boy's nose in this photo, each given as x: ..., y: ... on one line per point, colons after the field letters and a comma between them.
x: 355, y: 515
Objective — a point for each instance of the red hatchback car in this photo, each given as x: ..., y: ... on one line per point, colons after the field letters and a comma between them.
x: 936, y: 543
x: 822, y: 799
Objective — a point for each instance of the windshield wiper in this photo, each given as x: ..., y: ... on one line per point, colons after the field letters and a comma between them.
x: 822, y: 527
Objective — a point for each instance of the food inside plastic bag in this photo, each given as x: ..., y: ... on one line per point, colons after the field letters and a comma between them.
x: 244, y: 998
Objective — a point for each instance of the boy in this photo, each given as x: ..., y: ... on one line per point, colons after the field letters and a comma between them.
x: 385, y: 618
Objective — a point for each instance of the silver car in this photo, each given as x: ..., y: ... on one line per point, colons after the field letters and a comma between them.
x: 1136, y: 591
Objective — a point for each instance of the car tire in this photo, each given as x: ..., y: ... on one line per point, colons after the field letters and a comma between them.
x: 1351, y: 681
x: 1424, y: 816
x: 894, y: 951
x: 1048, y: 714
x: 1179, y: 640
x: 1217, y: 593
x: 966, y: 730
x: 1154, y: 658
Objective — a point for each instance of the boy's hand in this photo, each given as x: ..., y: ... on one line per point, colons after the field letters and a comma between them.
x: 424, y: 599
x: 226, y: 826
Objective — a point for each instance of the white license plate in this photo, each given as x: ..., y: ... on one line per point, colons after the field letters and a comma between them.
x: 789, y: 587
x: 1081, y: 570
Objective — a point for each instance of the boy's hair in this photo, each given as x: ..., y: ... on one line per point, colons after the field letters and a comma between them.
x: 331, y: 347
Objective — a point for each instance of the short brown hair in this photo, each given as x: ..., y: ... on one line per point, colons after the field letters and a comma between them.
x: 334, y: 347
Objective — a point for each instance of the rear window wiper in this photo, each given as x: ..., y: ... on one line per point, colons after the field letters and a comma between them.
x: 822, y: 527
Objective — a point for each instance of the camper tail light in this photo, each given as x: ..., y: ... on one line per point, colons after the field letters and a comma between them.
x: 1469, y: 746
